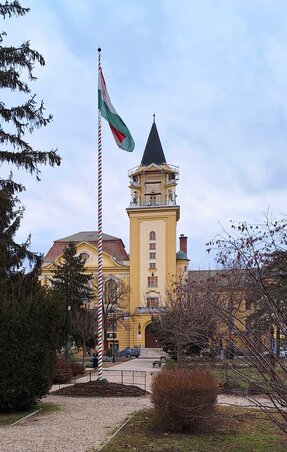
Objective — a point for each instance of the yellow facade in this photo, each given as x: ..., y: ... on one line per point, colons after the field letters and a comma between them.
x: 153, y: 262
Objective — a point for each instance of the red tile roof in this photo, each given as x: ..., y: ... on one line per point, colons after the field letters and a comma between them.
x: 111, y: 245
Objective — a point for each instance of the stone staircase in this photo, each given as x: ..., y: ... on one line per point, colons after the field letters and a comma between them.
x: 152, y: 353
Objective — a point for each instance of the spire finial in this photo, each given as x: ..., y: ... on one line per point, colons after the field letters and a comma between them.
x: 99, y: 57
x: 154, y: 118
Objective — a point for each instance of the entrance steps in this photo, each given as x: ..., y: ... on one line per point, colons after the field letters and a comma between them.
x: 152, y: 353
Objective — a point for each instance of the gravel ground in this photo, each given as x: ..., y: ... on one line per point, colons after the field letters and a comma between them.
x: 81, y: 425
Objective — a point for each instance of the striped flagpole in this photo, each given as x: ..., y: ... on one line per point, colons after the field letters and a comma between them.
x: 100, y: 242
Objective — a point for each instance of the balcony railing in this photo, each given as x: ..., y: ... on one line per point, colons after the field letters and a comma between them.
x: 152, y: 203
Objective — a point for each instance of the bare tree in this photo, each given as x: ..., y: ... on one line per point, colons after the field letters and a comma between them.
x: 253, y: 256
x: 85, y: 327
x: 187, y: 320
x: 115, y: 305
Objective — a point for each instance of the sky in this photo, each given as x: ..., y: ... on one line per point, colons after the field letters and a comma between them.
x: 213, y: 72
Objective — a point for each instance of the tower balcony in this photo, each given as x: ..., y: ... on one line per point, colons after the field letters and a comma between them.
x: 151, y: 203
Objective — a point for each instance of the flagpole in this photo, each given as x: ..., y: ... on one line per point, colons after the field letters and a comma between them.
x: 100, y: 241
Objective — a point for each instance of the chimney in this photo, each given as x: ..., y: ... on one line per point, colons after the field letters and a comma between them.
x: 183, y: 243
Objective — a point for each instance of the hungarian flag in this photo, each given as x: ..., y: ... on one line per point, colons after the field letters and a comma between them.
x: 119, y: 130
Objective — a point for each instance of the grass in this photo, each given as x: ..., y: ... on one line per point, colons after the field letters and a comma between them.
x: 10, y: 418
x: 236, y: 429
x: 232, y: 375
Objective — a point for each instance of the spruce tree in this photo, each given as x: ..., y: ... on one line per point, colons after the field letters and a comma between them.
x: 30, y: 315
x: 13, y: 256
x: 16, y: 121
x: 72, y: 285
x: 70, y: 279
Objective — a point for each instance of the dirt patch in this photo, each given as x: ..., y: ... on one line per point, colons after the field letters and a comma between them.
x: 101, y: 389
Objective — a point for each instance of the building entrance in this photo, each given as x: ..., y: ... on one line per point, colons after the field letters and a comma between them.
x: 150, y: 340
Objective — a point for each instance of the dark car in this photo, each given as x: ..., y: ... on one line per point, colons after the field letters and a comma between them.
x: 129, y: 352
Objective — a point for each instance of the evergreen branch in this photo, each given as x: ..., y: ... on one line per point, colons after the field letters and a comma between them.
x: 30, y: 160
x: 22, y: 57
x: 11, y: 186
x: 27, y: 112
x: 12, y: 9
x: 10, y: 79
x: 15, y: 141
x: 2, y: 34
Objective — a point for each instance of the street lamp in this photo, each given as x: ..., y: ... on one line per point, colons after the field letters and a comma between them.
x: 113, y: 351
x: 68, y: 308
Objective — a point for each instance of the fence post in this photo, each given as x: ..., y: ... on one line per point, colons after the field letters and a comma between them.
x: 122, y: 376
x: 133, y: 377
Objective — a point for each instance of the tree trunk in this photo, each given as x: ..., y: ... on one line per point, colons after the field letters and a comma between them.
x: 83, y: 351
x: 278, y: 341
x: 179, y: 355
x: 105, y: 341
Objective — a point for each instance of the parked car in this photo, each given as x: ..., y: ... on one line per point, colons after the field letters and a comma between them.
x: 129, y: 352
x: 283, y: 352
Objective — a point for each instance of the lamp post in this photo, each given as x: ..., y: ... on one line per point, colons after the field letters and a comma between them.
x: 113, y: 351
x: 84, y: 300
x: 68, y: 308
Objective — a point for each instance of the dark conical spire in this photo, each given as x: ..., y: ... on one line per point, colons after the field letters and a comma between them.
x: 153, y: 152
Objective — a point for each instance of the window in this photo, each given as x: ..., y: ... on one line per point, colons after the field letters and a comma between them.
x: 152, y: 246
x: 152, y: 235
x: 152, y: 200
x: 152, y: 302
x: 152, y: 265
x: 152, y: 255
x: 84, y: 256
x: 111, y: 291
x: 152, y: 281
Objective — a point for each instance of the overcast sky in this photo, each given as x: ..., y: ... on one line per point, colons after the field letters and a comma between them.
x: 213, y: 72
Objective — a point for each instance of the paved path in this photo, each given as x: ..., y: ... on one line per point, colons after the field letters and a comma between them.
x: 140, y: 364
x: 81, y: 425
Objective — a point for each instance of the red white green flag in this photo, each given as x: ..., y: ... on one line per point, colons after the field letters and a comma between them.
x: 119, y: 130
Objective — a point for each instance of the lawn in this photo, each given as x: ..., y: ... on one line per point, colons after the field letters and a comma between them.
x: 10, y: 418
x: 233, y: 376
x: 234, y: 429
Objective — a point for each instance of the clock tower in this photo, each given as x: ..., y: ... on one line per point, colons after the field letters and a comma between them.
x: 153, y: 214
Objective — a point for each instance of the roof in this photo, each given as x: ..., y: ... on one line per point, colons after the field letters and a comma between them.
x: 203, y: 275
x: 236, y: 278
x: 86, y: 236
x: 111, y: 245
x: 153, y: 152
x: 181, y: 256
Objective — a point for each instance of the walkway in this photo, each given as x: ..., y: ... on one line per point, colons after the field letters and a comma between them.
x: 81, y: 425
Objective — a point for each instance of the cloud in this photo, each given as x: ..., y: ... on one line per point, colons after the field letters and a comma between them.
x: 213, y: 72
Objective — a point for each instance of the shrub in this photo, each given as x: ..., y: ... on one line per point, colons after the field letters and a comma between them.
x: 77, y: 369
x: 170, y: 364
x: 62, y: 371
x: 184, y: 399
x: 28, y: 342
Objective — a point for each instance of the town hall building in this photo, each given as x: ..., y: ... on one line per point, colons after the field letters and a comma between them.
x: 145, y: 275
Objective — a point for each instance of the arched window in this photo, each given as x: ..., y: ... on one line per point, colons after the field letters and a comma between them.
x: 111, y: 292
x: 152, y: 235
x: 84, y: 256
